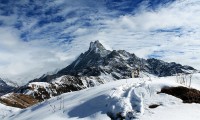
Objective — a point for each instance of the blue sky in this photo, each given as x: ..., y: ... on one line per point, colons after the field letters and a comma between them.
x: 42, y: 36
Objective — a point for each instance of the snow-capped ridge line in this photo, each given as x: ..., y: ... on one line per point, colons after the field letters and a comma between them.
x: 118, y: 63
x: 99, y: 66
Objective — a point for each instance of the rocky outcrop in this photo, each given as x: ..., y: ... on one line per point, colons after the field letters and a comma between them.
x: 45, y: 90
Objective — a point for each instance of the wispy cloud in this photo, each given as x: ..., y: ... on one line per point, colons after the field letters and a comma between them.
x: 29, y: 49
x: 22, y: 61
x: 170, y: 33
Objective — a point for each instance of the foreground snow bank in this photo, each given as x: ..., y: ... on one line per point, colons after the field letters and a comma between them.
x: 6, y: 111
x: 128, y: 99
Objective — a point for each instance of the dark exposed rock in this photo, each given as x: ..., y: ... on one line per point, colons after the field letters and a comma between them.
x: 153, y: 106
x: 188, y: 95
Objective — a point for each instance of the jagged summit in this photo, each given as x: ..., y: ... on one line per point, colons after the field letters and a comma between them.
x: 96, y: 45
x: 97, y: 48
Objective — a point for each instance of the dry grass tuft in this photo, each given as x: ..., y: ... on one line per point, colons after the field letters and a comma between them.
x: 18, y: 100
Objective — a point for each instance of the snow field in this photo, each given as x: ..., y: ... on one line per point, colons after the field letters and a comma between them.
x: 127, y: 98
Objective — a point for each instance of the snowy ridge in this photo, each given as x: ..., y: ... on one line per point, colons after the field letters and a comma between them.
x: 120, y: 64
x: 45, y: 90
x: 126, y: 99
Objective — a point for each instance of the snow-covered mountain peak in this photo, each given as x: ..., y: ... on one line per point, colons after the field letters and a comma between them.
x: 96, y: 45
x: 97, y: 48
x: 119, y: 64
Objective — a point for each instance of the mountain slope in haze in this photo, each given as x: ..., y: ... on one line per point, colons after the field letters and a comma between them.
x: 4, y: 88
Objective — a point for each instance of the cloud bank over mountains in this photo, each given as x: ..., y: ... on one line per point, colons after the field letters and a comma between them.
x: 41, y: 36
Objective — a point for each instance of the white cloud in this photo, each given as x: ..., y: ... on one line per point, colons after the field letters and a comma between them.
x: 173, y: 29
x: 171, y: 32
x: 22, y: 61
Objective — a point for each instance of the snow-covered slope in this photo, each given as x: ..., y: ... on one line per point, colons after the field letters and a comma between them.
x: 6, y: 111
x: 126, y: 98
